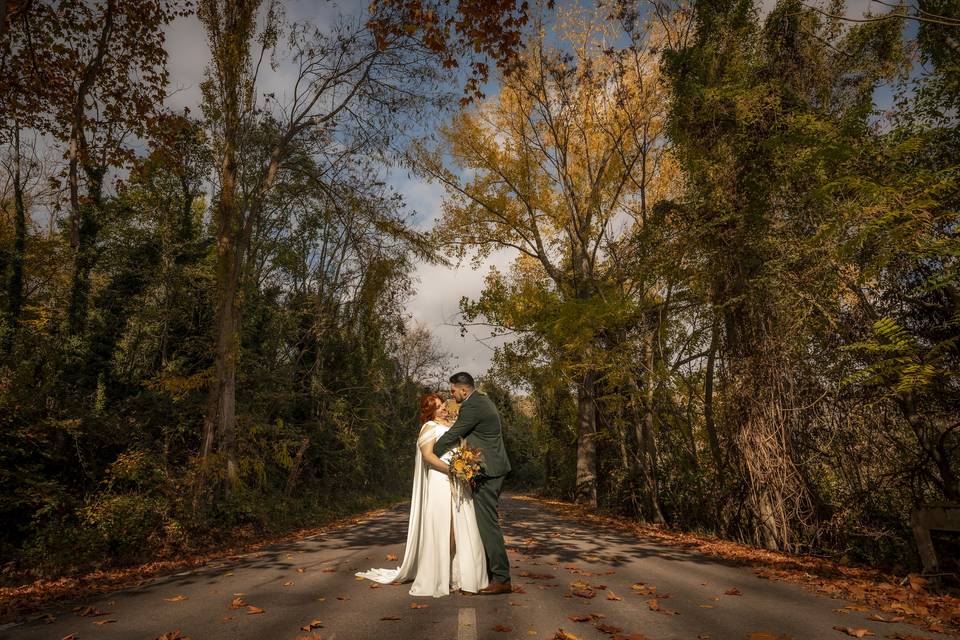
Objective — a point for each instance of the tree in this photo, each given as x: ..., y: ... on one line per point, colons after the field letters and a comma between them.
x: 344, y: 77
x: 92, y: 75
x: 569, y: 146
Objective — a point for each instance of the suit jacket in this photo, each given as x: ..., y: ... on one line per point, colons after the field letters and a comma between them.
x: 479, y: 424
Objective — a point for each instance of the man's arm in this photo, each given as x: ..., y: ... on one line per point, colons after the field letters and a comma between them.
x: 466, y: 422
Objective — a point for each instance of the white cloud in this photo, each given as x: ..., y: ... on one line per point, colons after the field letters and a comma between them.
x: 437, y: 305
x: 187, y: 57
x: 436, y: 302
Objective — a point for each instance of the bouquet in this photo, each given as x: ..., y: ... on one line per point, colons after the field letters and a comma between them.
x: 466, y: 467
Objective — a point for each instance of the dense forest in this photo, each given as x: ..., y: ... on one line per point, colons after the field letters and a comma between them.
x: 733, y: 305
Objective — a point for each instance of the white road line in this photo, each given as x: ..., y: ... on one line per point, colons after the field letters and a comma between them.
x: 467, y: 624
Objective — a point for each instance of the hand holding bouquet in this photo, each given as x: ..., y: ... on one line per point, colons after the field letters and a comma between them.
x: 466, y: 466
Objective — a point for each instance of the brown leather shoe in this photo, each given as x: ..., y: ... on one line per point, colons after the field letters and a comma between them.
x: 495, y: 588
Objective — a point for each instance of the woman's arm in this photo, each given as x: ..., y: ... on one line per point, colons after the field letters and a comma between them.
x: 431, y: 459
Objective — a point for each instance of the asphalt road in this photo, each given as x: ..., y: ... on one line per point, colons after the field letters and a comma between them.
x: 312, y: 580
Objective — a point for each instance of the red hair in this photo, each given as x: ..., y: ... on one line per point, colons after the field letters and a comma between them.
x: 428, y: 406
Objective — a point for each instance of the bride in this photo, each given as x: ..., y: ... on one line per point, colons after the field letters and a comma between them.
x: 443, y: 550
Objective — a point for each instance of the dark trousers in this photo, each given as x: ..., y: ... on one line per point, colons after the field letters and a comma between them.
x: 486, y: 499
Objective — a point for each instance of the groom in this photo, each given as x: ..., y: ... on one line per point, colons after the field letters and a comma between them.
x: 479, y: 423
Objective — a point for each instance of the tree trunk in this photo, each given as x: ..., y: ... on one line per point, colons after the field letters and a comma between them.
x: 586, y: 487
x: 649, y: 430
x: 15, y: 284
x: 88, y: 227
x: 221, y: 406
x: 708, y: 419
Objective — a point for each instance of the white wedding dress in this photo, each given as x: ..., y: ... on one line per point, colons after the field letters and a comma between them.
x: 426, y: 558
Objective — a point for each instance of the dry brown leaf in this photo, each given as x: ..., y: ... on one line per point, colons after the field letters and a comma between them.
x: 518, y: 589
x: 72, y: 636
x: 733, y: 591
x: 612, y: 596
x: 390, y: 618
x: 580, y: 618
x: 237, y: 603
x: 878, y: 618
x: 502, y: 628
x: 288, y: 583
x: 374, y: 585
x: 563, y: 635
x: 391, y: 557
x: 89, y: 612
x: 313, y: 624
x: 608, y: 629
x: 329, y: 570
x: 300, y: 569
x: 107, y: 621
x: 176, y: 599
x: 173, y: 635
x: 417, y: 605
x: 253, y: 611
x: 856, y: 632
x: 342, y: 598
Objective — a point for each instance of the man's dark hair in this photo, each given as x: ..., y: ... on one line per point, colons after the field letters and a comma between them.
x: 463, y: 378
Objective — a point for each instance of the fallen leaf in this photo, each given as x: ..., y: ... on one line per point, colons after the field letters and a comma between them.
x: 176, y: 599
x: 253, y: 611
x: 313, y: 624
x: 417, y: 605
x: 518, y: 589
x: 916, y: 582
x: 300, y: 569
x: 733, y: 591
x: 563, y: 635
x: 374, y: 585
x: 172, y: 635
x: 329, y: 570
x: 584, y: 593
x: 390, y: 618
x: 655, y: 606
x: 237, y: 603
x: 343, y: 597
x: 288, y: 583
x: 72, y: 636
x: 854, y: 631
x: 88, y: 612
x: 878, y: 618
x: 359, y: 578
x: 391, y: 557
x: 502, y: 628
x: 107, y: 621
x: 580, y: 618
x: 612, y: 596
x: 609, y: 629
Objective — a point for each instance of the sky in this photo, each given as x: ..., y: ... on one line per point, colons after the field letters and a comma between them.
x: 438, y: 289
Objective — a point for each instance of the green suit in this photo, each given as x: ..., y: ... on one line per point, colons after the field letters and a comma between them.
x: 479, y: 424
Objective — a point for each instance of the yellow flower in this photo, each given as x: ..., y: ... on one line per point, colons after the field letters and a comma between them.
x: 458, y: 465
